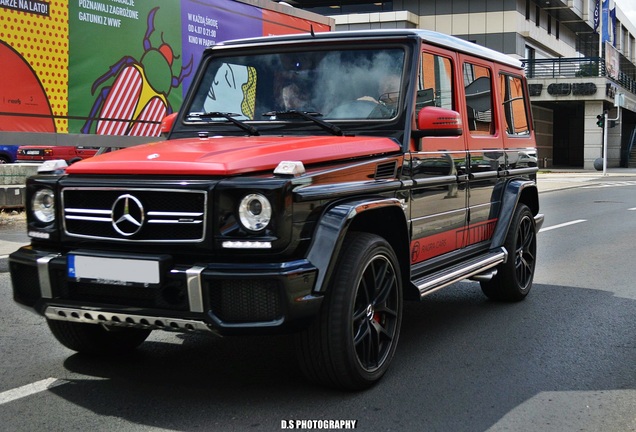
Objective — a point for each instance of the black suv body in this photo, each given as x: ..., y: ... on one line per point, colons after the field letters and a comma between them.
x: 310, y: 183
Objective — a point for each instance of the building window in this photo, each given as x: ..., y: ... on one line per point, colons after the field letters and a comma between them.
x: 527, y: 9
x: 537, y: 13
x: 556, y: 28
x: 549, y: 24
x: 343, y: 7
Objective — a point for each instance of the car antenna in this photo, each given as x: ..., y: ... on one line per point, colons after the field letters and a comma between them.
x: 311, y: 29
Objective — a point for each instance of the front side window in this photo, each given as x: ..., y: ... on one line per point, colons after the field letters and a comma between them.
x: 514, y: 105
x: 360, y: 84
x: 435, y: 86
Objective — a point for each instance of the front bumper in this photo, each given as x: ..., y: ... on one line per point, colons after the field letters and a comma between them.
x: 225, y: 298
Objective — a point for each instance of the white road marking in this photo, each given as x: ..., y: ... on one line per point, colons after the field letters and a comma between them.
x: 29, y: 389
x: 611, y: 184
x: 562, y: 225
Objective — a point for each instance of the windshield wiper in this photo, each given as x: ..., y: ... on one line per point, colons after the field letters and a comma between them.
x: 230, y: 117
x: 311, y: 116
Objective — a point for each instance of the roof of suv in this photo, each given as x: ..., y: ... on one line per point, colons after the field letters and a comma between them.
x: 432, y: 37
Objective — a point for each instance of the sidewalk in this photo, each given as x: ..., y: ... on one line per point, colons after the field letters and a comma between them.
x: 558, y: 179
x: 13, y: 234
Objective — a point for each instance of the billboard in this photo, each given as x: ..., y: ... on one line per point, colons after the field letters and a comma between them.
x: 114, y: 67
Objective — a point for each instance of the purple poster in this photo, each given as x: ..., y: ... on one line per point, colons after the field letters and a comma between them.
x: 207, y: 22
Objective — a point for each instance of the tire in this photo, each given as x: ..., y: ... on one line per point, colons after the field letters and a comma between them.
x: 96, y: 339
x: 4, y: 160
x: 351, y: 343
x: 514, y: 277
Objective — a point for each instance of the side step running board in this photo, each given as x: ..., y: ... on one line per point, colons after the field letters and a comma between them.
x: 458, y: 272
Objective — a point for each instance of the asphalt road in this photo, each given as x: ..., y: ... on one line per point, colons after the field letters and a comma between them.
x: 562, y: 360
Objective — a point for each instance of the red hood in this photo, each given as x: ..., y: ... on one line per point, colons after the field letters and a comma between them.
x: 229, y: 155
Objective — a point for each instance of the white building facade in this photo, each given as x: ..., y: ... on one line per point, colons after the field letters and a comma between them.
x: 570, y: 82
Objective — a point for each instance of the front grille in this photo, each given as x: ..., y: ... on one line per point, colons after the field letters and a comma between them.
x: 235, y: 301
x: 135, y: 215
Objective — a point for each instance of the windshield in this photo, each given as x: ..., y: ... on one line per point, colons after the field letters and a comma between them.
x: 330, y: 85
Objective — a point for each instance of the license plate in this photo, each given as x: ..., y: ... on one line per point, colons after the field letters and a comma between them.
x: 33, y: 152
x: 113, y: 270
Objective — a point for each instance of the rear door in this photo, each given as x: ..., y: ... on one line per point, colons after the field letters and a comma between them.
x: 486, y: 158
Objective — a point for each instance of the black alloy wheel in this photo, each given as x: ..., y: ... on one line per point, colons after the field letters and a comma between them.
x: 351, y: 344
x: 514, y: 277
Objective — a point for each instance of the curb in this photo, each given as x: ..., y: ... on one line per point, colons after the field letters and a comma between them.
x: 4, y: 263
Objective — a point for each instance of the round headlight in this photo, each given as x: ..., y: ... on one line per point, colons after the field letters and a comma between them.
x: 43, y: 205
x: 255, y: 212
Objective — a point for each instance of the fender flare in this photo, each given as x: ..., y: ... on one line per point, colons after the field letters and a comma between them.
x: 331, y: 230
x: 516, y: 191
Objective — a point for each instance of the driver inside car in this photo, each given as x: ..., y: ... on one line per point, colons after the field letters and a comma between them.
x: 382, y: 105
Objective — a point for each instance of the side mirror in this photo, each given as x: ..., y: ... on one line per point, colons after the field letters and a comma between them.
x: 167, y: 122
x: 437, y: 122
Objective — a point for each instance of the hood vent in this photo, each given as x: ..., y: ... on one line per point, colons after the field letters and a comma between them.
x: 386, y: 171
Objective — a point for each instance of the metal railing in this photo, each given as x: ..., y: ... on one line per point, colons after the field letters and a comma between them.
x: 626, y: 82
x: 574, y: 67
x: 565, y: 67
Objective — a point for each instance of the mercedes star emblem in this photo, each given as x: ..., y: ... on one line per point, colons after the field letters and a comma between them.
x: 127, y: 215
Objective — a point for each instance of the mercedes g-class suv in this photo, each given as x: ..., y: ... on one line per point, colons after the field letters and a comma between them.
x: 310, y: 183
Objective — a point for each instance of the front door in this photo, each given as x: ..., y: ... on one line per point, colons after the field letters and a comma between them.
x: 437, y: 168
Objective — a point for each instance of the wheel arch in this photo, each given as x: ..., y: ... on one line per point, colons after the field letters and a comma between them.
x: 383, y: 217
x: 390, y: 224
x: 516, y: 192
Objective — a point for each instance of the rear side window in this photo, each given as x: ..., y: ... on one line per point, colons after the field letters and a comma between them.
x: 477, y: 83
x: 435, y: 85
x: 514, y: 105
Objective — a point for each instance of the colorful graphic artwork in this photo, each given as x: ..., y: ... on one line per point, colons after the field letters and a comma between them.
x: 125, y: 66
x: 114, y: 67
x: 132, y: 96
x: 34, y: 63
x: 25, y: 107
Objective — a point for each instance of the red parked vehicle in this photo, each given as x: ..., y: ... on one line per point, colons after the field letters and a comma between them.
x: 70, y: 154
